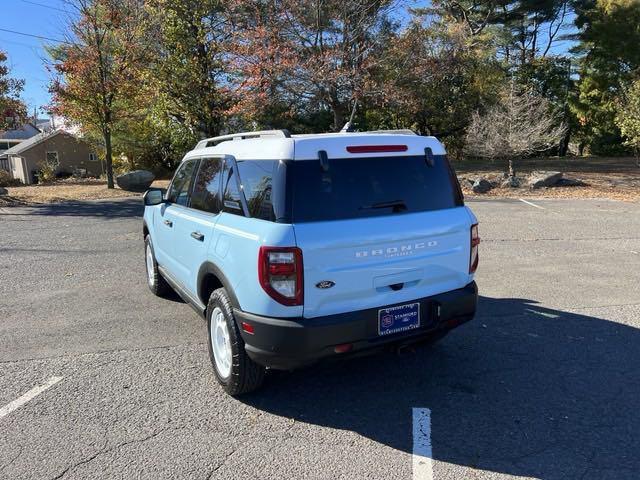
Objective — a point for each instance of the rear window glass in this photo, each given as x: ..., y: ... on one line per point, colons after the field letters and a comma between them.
x: 370, y: 187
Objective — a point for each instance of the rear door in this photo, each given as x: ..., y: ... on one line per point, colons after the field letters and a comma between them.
x: 195, y: 222
x: 378, y: 231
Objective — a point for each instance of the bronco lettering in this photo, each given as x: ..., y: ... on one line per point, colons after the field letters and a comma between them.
x: 400, y: 251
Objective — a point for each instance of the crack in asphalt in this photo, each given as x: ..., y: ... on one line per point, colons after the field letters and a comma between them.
x: 103, y: 451
x: 10, y: 462
x: 224, y: 460
x: 284, y: 434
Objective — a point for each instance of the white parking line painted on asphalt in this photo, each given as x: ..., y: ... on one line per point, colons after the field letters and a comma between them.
x: 18, y: 402
x: 532, y: 204
x: 422, y: 451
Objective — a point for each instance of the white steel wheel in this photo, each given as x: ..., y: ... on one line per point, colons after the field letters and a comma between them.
x: 221, y: 343
x: 155, y: 282
x: 233, y: 368
x: 151, y: 278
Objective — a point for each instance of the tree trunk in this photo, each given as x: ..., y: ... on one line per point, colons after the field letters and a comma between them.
x: 512, y: 170
x: 108, y: 157
x: 338, y: 119
x: 564, y: 144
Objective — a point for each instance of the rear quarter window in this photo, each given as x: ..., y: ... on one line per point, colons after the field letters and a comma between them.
x: 258, y: 182
x: 256, y: 178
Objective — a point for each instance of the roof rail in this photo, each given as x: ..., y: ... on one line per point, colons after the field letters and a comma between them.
x: 209, y: 142
x: 397, y: 132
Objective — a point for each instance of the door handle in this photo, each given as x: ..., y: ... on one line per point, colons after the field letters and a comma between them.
x: 168, y: 223
x: 198, y: 236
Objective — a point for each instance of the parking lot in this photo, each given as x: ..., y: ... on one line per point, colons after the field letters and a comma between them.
x: 544, y: 383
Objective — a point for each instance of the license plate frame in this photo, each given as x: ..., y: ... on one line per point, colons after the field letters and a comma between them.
x: 398, y: 319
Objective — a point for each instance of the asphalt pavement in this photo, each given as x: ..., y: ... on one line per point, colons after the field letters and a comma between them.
x: 544, y: 383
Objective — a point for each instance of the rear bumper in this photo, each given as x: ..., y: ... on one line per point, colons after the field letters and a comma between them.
x: 288, y: 343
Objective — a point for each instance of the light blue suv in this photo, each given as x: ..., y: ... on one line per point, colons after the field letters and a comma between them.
x: 297, y: 248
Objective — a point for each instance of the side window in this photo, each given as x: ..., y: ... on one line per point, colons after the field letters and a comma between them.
x: 256, y: 178
x: 231, y: 200
x: 207, y: 185
x: 181, y: 184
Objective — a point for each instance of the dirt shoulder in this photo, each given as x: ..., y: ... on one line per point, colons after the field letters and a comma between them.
x: 66, y: 190
x: 604, y: 177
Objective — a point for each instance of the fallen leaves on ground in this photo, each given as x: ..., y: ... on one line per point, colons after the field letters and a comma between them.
x: 614, y: 186
x: 67, y: 190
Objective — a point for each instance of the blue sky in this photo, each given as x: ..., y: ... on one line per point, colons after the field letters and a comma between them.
x: 26, y: 54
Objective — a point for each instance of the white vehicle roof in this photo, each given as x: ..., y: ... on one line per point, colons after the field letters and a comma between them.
x: 279, y: 145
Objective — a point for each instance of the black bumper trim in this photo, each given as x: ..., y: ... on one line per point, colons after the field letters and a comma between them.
x: 288, y: 343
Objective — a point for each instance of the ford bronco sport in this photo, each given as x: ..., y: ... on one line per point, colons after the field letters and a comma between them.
x: 296, y: 248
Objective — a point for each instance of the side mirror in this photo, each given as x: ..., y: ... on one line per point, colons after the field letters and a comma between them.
x: 153, y: 196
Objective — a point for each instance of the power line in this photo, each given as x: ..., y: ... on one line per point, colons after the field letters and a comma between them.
x: 45, y: 6
x: 35, y: 36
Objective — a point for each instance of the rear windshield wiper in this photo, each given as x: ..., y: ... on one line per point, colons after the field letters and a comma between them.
x: 396, y: 205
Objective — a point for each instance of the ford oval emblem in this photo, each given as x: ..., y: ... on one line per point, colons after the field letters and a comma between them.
x: 325, y: 284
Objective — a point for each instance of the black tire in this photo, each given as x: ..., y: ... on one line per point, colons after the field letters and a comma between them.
x: 244, y: 374
x: 156, y: 283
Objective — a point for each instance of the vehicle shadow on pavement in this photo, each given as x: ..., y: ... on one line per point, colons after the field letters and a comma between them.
x: 521, y: 390
x: 108, y: 209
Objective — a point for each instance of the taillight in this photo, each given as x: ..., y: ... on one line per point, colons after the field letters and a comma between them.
x: 280, y: 274
x: 475, y: 241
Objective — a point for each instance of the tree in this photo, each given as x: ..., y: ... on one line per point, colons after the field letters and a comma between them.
x: 628, y: 117
x: 522, y: 124
x: 528, y: 29
x: 550, y: 77
x: 609, y: 59
x: 101, y: 68
x: 191, y: 71
x: 12, y: 110
x: 318, y: 54
x: 433, y: 76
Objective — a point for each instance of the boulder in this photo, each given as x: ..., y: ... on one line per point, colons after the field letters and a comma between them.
x: 569, y: 182
x: 481, y: 186
x: 4, y: 191
x: 544, y: 179
x: 136, y: 180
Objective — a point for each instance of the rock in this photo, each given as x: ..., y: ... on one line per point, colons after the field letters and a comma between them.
x: 544, y: 179
x: 465, y: 182
x: 136, y: 180
x: 511, y: 182
x: 4, y: 191
x: 569, y: 182
x: 481, y: 186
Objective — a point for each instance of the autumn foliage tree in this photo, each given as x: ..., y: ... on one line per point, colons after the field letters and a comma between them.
x: 100, y: 70
x: 432, y: 77
x: 311, y: 53
x: 12, y: 108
